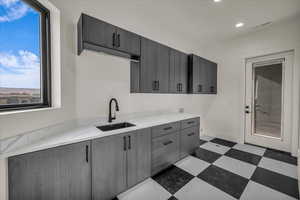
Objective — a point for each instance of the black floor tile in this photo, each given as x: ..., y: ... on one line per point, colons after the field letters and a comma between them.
x: 202, y: 142
x: 226, y: 181
x: 206, y: 155
x: 276, y: 181
x: 281, y: 156
x: 172, y: 198
x: 223, y: 142
x: 173, y: 179
x: 243, y: 156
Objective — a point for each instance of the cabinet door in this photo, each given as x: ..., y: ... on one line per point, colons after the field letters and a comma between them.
x: 163, y: 64
x: 108, y: 167
x: 183, y: 72
x: 203, y: 76
x: 139, y: 157
x: 195, y: 74
x: 175, y: 70
x: 148, y: 66
x: 189, y: 141
x: 128, y: 42
x: 98, y: 32
x: 165, y: 151
x: 212, y: 83
x: 61, y: 173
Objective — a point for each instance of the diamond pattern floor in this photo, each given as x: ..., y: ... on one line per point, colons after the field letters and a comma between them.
x: 221, y: 170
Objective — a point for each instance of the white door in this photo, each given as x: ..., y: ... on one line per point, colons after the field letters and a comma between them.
x: 268, y: 101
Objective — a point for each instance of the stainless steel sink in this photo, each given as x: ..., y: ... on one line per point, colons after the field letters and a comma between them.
x: 111, y: 127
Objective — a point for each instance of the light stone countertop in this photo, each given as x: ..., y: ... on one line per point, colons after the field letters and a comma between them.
x: 75, y: 131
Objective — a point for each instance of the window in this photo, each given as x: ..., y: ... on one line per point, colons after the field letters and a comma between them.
x: 24, y: 55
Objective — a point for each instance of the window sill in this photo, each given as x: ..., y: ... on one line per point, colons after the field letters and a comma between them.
x: 28, y: 111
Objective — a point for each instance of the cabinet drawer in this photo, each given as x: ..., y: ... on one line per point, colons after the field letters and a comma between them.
x: 189, y: 141
x: 165, y: 151
x: 190, y: 122
x: 165, y: 129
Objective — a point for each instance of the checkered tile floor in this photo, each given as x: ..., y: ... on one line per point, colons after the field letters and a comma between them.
x: 221, y: 170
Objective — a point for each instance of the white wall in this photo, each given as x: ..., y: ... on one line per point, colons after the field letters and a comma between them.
x: 225, y: 118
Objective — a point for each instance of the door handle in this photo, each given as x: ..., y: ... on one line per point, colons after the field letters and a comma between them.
x: 190, y: 134
x: 191, y: 122
x: 129, y: 142
x: 199, y: 88
x: 178, y: 87
x: 167, y: 128
x: 167, y: 143
x: 247, y: 112
x: 154, y: 85
x: 124, y: 143
x: 87, y: 153
x: 119, y: 40
x: 114, y: 39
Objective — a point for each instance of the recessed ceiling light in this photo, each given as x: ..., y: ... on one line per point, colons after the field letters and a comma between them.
x: 217, y: 0
x: 239, y: 25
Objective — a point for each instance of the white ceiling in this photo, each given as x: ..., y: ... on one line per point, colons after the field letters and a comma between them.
x: 205, y: 20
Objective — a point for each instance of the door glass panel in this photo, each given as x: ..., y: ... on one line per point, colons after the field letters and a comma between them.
x: 267, y: 102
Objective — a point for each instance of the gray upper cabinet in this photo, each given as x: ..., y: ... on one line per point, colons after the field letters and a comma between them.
x: 154, y: 66
x: 109, y: 166
x: 178, y: 72
x: 61, y: 173
x: 97, y: 35
x: 128, y: 42
x: 202, y: 76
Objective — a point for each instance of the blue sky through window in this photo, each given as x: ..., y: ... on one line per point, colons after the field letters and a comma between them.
x: 19, y: 45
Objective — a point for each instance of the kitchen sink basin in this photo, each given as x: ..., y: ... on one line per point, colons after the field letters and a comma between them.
x: 111, y: 127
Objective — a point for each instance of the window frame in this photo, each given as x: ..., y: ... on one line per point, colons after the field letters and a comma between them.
x: 45, y: 61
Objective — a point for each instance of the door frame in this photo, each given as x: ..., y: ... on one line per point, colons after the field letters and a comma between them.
x: 288, y: 111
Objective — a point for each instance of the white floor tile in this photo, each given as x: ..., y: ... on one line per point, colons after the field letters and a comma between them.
x: 147, y: 190
x: 250, y: 149
x: 192, y: 165
x: 235, y: 166
x: 215, y: 147
x: 206, y: 137
x: 197, y: 189
x: 279, y: 167
x: 258, y: 191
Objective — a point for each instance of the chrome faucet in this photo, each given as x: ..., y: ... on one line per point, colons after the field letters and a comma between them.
x: 110, y: 117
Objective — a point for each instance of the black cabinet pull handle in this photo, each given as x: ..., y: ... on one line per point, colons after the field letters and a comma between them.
x: 190, y: 134
x: 168, y: 128
x: 119, y: 40
x: 129, y: 142
x: 191, y: 122
x: 154, y: 85
x: 124, y: 143
x: 87, y: 153
x: 178, y: 87
x: 199, y: 88
x: 167, y: 143
x: 114, y: 39
x: 212, y: 89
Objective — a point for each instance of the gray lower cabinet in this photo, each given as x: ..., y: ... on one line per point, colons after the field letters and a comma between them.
x: 189, y: 141
x: 108, y: 167
x: 61, y: 173
x: 120, y: 162
x: 165, y: 151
